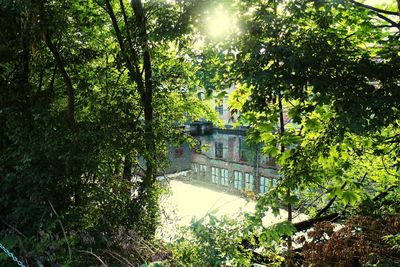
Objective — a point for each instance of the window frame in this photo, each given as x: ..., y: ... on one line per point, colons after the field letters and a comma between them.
x: 264, y: 184
x: 219, y: 150
x: 215, y: 175
x: 242, y: 150
x: 202, y: 169
x: 238, y: 180
x: 224, y: 177
x: 248, y: 181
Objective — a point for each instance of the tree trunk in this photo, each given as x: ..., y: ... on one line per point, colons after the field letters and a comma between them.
x: 70, y: 107
x: 146, y: 98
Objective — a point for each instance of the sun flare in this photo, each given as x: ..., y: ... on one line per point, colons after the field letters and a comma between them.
x: 220, y: 23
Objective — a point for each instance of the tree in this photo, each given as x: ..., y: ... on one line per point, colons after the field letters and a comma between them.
x: 85, y: 86
x: 330, y: 66
x: 322, y: 83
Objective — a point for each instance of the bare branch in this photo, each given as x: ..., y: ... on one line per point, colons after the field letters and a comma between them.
x: 13, y: 228
x: 63, y: 230
x: 386, y: 169
x: 94, y: 255
x: 120, y: 258
x: 386, y: 26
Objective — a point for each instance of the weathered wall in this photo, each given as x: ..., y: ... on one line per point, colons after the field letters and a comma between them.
x: 230, y: 160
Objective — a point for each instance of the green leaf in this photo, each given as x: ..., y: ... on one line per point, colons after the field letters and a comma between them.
x: 312, y: 124
x: 350, y: 197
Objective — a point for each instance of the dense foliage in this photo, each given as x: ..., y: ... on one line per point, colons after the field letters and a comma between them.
x: 92, y: 93
x: 318, y: 83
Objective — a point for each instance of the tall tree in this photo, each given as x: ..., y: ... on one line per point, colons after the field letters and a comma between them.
x: 88, y: 90
x: 334, y: 64
x: 320, y: 84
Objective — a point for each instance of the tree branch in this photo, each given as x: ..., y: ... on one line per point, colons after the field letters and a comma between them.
x: 391, y: 22
x: 128, y: 33
x: 304, y: 225
x: 62, y: 228
x: 118, y: 33
x: 12, y: 227
x: 384, y: 193
x: 67, y: 81
x: 8, y: 76
x: 327, y: 206
x: 132, y: 66
x: 307, y: 224
x: 379, y: 13
x: 388, y: 12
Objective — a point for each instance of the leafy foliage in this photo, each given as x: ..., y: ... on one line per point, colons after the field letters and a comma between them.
x: 75, y: 126
x: 317, y: 82
x: 219, y: 242
x: 92, y: 92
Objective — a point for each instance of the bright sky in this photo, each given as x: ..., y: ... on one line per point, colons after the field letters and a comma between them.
x: 381, y: 3
x: 378, y: 2
x: 220, y: 23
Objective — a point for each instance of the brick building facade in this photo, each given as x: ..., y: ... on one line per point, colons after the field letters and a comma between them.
x: 225, y: 160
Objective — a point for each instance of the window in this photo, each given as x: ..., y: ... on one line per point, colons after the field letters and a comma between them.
x: 242, y: 150
x: 249, y: 182
x: 238, y: 183
x: 195, y: 168
x: 274, y: 182
x: 203, y: 169
x: 264, y: 184
x: 215, y: 175
x: 270, y: 161
x: 219, y: 150
x: 224, y: 177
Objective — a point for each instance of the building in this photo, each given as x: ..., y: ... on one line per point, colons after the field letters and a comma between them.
x: 225, y: 160
x: 223, y: 157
